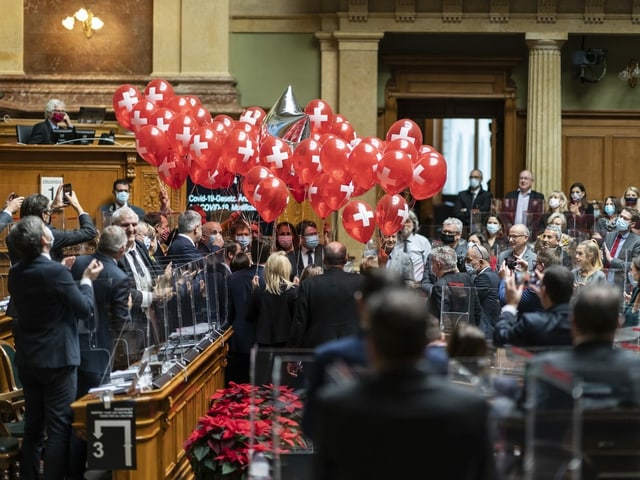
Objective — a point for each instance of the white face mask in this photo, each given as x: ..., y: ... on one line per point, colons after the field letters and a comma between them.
x: 493, y: 228
x: 147, y: 242
x: 576, y: 196
x: 474, y: 183
x: 554, y: 202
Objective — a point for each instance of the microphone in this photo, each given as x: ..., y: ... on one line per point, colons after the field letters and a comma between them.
x: 106, y: 141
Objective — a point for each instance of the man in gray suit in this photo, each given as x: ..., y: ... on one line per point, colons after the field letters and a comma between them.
x: 520, y: 253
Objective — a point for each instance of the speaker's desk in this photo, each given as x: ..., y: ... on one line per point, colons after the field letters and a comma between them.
x: 166, y: 417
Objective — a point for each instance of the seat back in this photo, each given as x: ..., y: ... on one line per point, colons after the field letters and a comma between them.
x: 8, y: 356
x: 23, y: 132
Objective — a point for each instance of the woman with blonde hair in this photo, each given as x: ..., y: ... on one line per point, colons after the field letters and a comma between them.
x: 271, y: 305
x: 630, y: 197
x: 588, y: 265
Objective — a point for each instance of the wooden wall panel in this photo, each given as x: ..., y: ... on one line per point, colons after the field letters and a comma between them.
x: 582, y: 162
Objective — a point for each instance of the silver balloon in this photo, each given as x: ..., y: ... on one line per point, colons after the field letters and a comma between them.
x: 287, y: 120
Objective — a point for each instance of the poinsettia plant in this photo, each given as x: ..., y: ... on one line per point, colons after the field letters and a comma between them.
x: 244, y: 417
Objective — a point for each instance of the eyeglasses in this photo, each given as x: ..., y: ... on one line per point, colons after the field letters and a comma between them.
x: 450, y: 233
x: 516, y: 235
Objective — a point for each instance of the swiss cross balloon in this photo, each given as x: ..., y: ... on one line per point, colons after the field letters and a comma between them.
x: 394, y: 171
x: 407, y: 129
x: 158, y: 91
x: 392, y: 212
x: 152, y: 144
x: 276, y: 155
x: 141, y: 114
x: 172, y: 171
x: 320, y: 115
x: 124, y: 99
x: 251, y: 180
x: 179, y: 132
x: 404, y: 146
x: 358, y: 220
x: 429, y: 176
x: 239, y: 151
x: 363, y: 165
x: 253, y: 116
x: 335, y: 193
x: 161, y: 118
x: 270, y: 198
x: 205, y: 147
x: 306, y: 160
x: 317, y: 201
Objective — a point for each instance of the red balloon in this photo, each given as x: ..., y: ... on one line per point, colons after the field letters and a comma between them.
x: 220, y: 128
x: 152, y: 144
x: 363, y: 164
x: 218, y: 178
x: 392, y: 212
x: 253, y: 116
x: 429, y: 176
x: 226, y: 120
x: 180, y: 104
x: 239, y: 152
x: 202, y: 115
x: 158, y: 92
x: 172, y: 170
x: 179, y: 132
x: 403, y: 145
x: 276, y: 155
x: 335, y: 193
x: 358, y: 220
x: 141, y: 114
x: 124, y: 99
x: 306, y: 160
x: 270, y: 198
x: 376, y: 142
x: 251, y: 180
x: 394, y: 171
x: 161, y: 118
x: 426, y: 149
x: 320, y: 115
x: 205, y: 147
x: 334, y: 156
x: 316, y: 199
x: 344, y: 130
x: 298, y: 192
x: 407, y: 129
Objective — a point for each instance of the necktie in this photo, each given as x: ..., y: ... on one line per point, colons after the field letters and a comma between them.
x: 140, y: 269
x: 614, y: 247
x: 406, y: 246
x: 309, y: 258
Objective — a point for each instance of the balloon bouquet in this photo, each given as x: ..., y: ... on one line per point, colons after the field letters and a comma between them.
x: 309, y: 154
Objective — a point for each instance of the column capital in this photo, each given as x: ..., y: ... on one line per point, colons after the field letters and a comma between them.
x: 545, y: 40
x: 365, y: 41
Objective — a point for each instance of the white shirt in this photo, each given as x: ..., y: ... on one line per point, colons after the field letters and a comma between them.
x: 521, y: 207
x: 419, y: 248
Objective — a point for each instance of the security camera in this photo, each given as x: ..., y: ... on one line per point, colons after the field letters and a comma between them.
x: 593, y: 56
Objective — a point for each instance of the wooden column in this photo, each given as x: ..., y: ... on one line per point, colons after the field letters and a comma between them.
x: 11, y: 37
x: 544, y: 110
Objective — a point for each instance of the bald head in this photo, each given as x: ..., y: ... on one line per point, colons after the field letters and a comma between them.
x: 335, y: 255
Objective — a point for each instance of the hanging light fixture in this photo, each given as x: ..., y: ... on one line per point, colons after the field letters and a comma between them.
x: 631, y: 73
x: 89, y: 22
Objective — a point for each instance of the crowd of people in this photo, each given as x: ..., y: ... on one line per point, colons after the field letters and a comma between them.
x: 513, y: 275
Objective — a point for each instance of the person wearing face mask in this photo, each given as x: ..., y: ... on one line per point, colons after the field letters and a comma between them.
x: 211, y: 240
x: 451, y: 235
x: 285, y: 237
x: 495, y: 234
x: 473, y: 204
x: 632, y: 300
x: 580, y: 210
x: 310, y: 251
x: 607, y: 222
x: 486, y: 281
x: 620, y: 247
x: 121, y: 193
x: 55, y: 117
x: 241, y: 233
x: 630, y: 197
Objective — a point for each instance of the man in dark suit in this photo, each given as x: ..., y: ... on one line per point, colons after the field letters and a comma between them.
x: 620, y: 247
x: 452, y: 295
x: 55, y: 117
x: 310, y: 250
x: 523, y: 205
x: 111, y: 293
x: 473, y: 205
x: 48, y: 303
x: 486, y: 282
x: 121, y: 193
x: 183, y: 248
x: 326, y: 307
x: 534, y: 329
x: 361, y: 428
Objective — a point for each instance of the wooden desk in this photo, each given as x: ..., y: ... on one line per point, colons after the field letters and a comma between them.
x: 166, y: 417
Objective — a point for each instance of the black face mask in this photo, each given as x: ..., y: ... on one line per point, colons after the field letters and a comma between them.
x: 631, y: 200
x: 447, y: 239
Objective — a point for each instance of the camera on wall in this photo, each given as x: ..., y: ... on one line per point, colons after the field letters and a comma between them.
x: 591, y: 56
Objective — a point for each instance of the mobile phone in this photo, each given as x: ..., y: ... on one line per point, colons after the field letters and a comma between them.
x: 66, y: 188
x: 522, y: 278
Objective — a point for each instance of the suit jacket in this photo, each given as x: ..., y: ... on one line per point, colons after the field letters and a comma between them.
x: 112, y: 207
x: 297, y: 262
x: 240, y: 288
x: 42, y: 133
x: 136, y: 295
x: 629, y: 249
x: 465, y: 203
x: 182, y: 251
x: 361, y: 429
x: 66, y: 238
x: 111, y: 293
x: 487, y: 283
x: 273, y: 315
x: 534, y: 329
x: 5, y: 220
x: 49, y: 304
x: 399, y: 261
x: 326, y: 308
x: 454, y: 292
x: 510, y: 203
x: 529, y: 255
